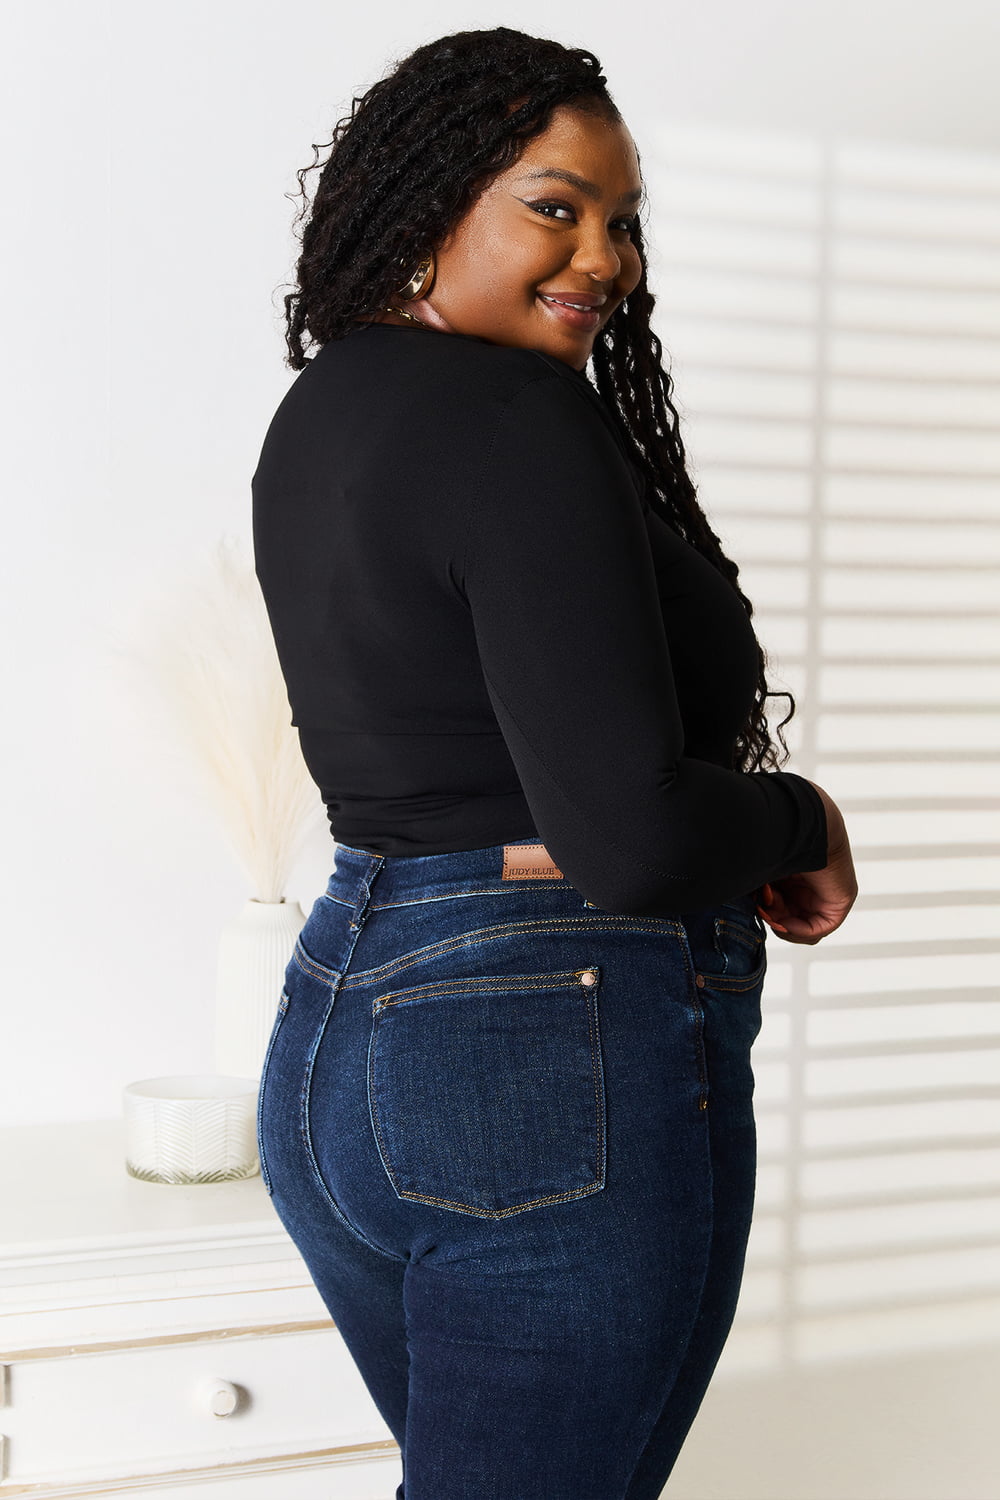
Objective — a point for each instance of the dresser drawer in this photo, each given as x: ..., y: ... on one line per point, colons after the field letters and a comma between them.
x: 182, y: 1403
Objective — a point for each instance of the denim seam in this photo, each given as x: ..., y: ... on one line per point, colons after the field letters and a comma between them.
x: 653, y: 925
x: 745, y: 935
x: 511, y: 888
x: 698, y: 1013
x: 590, y: 1001
x: 502, y: 1213
x: 363, y: 901
x: 735, y: 983
x: 275, y: 1028
x: 305, y: 1131
x: 312, y: 966
x: 699, y: 1022
x: 567, y: 979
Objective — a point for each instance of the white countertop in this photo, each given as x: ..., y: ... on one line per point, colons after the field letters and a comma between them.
x: 66, y: 1199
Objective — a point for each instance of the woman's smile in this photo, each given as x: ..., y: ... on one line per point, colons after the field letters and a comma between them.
x: 575, y: 312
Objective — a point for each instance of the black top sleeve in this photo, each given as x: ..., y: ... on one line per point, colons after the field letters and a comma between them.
x: 561, y: 585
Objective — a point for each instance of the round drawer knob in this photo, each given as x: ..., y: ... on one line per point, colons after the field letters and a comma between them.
x: 219, y: 1397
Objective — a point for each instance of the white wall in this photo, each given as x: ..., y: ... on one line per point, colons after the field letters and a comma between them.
x: 832, y: 307
x: 825, y: 192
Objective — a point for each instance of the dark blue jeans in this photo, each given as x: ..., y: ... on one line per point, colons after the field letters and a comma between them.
x: 512, y: 1136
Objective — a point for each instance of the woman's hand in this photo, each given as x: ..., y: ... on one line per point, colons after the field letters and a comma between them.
x: 805, y: 908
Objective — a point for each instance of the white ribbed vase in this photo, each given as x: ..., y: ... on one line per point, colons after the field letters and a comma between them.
x: 254, y: 951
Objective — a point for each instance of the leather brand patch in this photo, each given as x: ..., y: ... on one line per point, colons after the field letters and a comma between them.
x: 529, y: 862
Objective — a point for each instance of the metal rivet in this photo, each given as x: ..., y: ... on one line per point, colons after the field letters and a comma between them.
x: 699, y: 980
x: 588, y: 977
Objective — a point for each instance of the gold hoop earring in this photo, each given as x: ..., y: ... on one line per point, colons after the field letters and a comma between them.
x: 421, y: 281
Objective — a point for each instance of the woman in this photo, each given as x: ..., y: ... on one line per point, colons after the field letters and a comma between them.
x: 506, y: 1108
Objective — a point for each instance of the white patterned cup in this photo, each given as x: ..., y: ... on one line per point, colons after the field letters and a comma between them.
x: 191, y: 1128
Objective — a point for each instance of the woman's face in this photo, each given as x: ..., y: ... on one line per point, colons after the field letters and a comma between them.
x: 555, y: 225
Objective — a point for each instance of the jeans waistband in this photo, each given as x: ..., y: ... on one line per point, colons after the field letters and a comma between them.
x: 422, y: 877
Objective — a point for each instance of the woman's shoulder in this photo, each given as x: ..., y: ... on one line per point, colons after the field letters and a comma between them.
x: 473, y: 367
x: 464, y: 388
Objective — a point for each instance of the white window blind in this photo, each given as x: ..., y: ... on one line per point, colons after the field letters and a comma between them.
x: 831, y: 316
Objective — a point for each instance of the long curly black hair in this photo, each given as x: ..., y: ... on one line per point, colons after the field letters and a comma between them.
x: 405, y: 165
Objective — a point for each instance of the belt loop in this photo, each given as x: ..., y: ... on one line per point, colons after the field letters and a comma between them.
x: 360, y: 911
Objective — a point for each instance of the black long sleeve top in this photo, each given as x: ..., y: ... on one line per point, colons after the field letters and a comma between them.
x: 488, y: 635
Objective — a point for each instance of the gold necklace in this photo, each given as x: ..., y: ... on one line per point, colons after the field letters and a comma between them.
x: 403, y: 314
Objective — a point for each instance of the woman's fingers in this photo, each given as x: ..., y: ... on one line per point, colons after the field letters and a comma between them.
x: 777, y: 927
x: 772, y: 907
x: 808, y: 909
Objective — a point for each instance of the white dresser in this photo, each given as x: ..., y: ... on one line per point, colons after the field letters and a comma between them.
x: 162, y: 1340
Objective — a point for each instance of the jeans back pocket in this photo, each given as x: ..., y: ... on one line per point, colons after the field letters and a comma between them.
x: 487, y: 1092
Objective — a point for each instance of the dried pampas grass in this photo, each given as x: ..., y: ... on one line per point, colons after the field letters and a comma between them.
x: 205, y: 649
